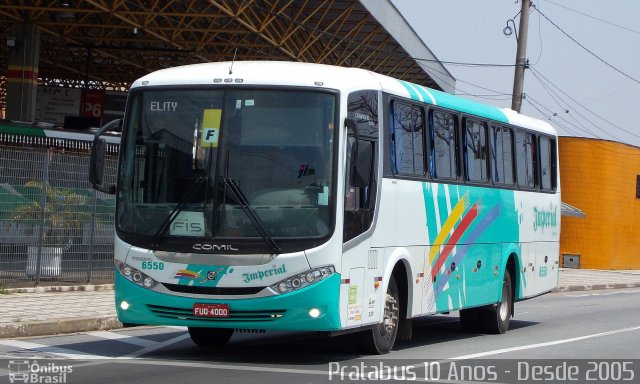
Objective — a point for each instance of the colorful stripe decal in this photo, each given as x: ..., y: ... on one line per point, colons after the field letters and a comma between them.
x: 453, y: 240
x: 426, y: 95
x: 432, y: 96
x: 471, y: 238
x: 185, y: 273
x: 455, y: 215
x: 412, y: 92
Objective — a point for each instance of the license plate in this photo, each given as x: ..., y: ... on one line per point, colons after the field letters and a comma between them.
x: 210, y: 310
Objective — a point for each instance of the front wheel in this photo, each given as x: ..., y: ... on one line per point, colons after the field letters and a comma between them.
x: 210, y: 337
x: 380, y: 339
x: 496, y: 318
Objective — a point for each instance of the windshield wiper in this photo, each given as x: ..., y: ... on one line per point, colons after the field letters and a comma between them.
x: 155, y: 240
x: 240, y: 198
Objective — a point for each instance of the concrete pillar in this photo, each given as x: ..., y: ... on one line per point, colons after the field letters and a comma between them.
x: 23, y: 42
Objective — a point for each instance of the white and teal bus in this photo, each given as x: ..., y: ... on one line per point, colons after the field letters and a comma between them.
x: 293, y: 196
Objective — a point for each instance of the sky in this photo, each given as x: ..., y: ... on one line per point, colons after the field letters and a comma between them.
x: 579, y: 94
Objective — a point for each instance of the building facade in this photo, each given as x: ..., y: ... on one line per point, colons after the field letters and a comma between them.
x: 601, y: 178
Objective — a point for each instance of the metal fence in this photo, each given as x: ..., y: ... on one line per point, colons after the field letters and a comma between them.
x: 54, y: 228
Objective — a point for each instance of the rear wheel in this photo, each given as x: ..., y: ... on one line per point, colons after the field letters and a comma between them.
x: 381, y: 338
x: 469, y: 320
x: 210, y: 337
x: 495, y: 319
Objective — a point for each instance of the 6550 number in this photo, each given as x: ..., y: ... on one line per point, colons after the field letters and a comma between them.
x: 153, y: 265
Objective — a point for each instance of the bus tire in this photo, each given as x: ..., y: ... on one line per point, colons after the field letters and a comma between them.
x: 469, y: 320
x: 210, y: 337
x: 380, y: 339
x: 495, y: 319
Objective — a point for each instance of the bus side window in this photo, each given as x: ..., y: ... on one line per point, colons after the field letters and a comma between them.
x: 408, y: 140
x: 502, y: 144
x: 547, y: 164
x: 442, y: 129
x: 526, y: 159
x: 475, y: 151
x: 359, y: 201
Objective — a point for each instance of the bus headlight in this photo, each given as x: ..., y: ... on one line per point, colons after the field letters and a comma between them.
x: 135, y: 276
x: 302, y: 280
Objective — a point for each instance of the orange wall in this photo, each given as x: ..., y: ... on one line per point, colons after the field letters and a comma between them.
x: 599, y: 177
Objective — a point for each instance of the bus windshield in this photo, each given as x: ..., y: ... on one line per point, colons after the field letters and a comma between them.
x: 183, y: 147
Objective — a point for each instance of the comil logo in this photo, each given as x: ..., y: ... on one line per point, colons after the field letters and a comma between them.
x: 25, y: 371
x: 214, y: 247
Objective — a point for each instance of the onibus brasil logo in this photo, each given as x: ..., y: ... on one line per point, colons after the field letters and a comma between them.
x: 25, y: 371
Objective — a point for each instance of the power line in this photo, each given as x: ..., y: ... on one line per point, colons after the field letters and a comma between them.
x: 465, y: 64
x: 595, y: 18
x: 594, y: 144
x: 586, y: 49
x: 484, y: 96
x: 566, y: 108
x: 582, y: 106
x: 539, y: 39
x: 462, y: 81
x: 558, y: 116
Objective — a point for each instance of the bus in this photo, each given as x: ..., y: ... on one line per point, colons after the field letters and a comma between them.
x: 296, y: 196
x: 19, y: 371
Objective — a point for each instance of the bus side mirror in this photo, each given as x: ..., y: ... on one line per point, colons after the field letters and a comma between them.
x: 96, y: 166
x: 98, y: 157
x: 361, y: 163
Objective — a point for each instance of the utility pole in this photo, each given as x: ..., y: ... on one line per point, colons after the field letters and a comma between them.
x: 521, y: 57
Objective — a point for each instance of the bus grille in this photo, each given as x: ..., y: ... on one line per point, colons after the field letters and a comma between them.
x: 187, y: 314
x: 213, y: 290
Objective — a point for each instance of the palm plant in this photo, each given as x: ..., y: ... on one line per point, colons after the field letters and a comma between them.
x: 65, y: 213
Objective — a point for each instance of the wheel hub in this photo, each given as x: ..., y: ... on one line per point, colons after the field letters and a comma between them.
x: 391, y: 311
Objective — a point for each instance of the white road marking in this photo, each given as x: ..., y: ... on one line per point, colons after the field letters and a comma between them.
x: 540, y: 345
x: 232, y: 367
x: 601, y: 293
x: 57, y: 351
x: 140, y: 342
x: 76, y: 355
x: 155, y: 347
x: 176, y: 327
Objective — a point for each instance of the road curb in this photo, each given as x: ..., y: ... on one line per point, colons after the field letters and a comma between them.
x: 54, y: 327
x: 62, y: 288
x: 593, y: 287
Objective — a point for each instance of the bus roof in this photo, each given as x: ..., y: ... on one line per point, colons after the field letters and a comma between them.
x: 332, y: 77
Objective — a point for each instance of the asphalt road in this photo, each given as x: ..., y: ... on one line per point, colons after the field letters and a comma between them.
x: 582, y: 335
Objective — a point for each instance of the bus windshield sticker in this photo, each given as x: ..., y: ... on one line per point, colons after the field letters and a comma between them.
x: 210, y: 131
x: 188, y: 224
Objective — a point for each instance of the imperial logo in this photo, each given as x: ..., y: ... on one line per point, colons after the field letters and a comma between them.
x: 214, y: 247
x: 545, y: 218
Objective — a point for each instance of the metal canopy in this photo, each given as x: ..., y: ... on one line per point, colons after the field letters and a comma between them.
x: 571, y: 211
x: 108, y: 44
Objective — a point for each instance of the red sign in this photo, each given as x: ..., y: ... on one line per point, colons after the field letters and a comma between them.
x: 93, y: 103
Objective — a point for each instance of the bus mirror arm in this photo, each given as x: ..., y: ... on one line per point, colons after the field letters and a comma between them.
x: 113, y: 125
x: 352, y: 128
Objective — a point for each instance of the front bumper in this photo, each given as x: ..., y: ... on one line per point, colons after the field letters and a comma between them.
x: 281, y: 312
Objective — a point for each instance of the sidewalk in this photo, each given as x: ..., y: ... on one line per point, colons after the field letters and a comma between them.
x: 54, y: 310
